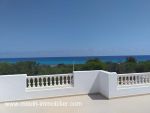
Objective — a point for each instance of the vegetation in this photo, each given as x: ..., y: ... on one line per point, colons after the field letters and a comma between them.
x: 32, y: 68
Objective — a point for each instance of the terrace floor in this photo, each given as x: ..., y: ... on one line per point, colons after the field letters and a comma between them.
x: 80, y: 104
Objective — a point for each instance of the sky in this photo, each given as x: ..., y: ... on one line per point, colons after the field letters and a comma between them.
x: 47, y: 28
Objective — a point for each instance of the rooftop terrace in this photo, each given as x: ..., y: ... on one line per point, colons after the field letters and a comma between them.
x: 89, y: 104
x: 80, y: 91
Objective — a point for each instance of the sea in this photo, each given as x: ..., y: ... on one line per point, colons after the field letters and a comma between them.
x: 74, y: 60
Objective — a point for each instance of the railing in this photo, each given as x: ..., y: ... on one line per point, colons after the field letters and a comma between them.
x: 61, y: 80
x: 133, y: 79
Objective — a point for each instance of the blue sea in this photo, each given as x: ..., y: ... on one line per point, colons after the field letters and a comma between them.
x: 73, y: 60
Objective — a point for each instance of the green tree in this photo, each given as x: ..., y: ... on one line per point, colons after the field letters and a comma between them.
x: 94, y: 64
x: 6, y: 68
x: 30, y: 68
x: 131, y: 60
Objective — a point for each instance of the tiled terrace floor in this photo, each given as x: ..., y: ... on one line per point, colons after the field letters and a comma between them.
x: 85, y: 104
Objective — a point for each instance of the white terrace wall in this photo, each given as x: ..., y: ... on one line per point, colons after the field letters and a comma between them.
x: 84, y: 83
x: 109, y: 87
x: 133, y: 88
x: 107, y: 84
x: 13, y: 87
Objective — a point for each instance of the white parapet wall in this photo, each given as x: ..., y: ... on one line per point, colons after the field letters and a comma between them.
x: 14, y: 87
x: 132, y: 84
x: 113, y: 85
x: 109, y: 84
x: 82, y: 84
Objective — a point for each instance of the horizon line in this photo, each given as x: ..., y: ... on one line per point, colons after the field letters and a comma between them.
x: 75, y: 56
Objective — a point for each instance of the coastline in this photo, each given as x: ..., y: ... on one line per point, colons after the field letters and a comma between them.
x: 74, y: 60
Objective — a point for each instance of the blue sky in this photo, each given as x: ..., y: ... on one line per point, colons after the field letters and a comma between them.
x: 74, y: 27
